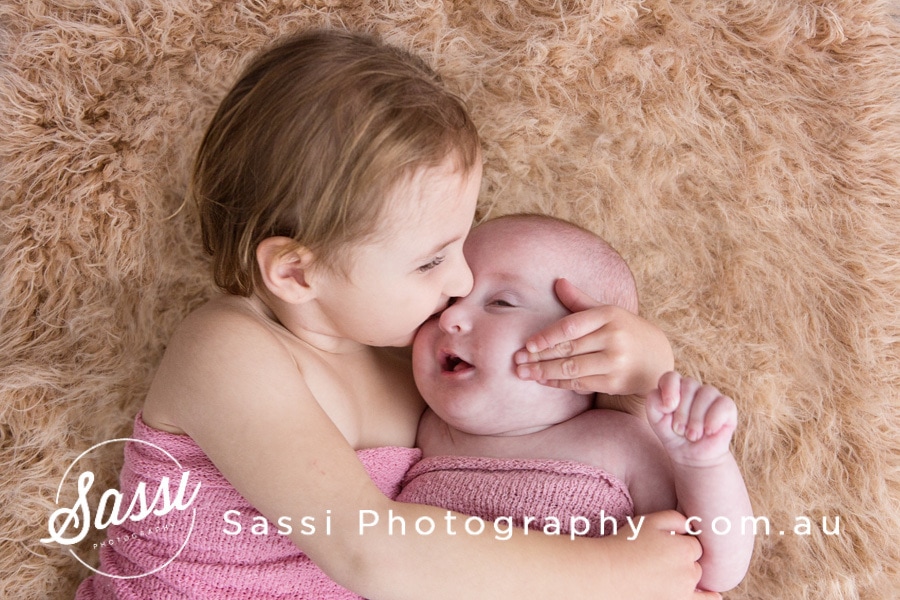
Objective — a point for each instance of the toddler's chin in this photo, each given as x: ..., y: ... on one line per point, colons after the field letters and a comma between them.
x: 403, y: 341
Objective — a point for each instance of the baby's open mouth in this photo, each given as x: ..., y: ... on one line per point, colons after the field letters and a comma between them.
x: 451, y: 363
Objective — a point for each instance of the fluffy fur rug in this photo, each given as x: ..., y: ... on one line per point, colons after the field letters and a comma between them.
x: 743, y: 156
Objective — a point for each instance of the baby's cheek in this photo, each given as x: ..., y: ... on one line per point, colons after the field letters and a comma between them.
x: 421, y: 360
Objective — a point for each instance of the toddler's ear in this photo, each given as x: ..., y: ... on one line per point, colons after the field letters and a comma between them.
x: 285, y: 267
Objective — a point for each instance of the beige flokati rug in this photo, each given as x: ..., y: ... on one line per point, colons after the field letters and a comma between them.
x: 743, y: 156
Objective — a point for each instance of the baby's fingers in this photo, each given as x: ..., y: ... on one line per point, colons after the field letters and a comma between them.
x: 691, y: 416
x: 656, y: 412
x: 688, y: 390
x: 669, y: 391
x: 721, y: 415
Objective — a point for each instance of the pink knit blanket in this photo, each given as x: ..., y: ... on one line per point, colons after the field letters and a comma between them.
x: 213, y: 565
x: 525, y: 490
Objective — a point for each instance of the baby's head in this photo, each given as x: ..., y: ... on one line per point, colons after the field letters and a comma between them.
x: 311, y: 145
x: 463, y: 358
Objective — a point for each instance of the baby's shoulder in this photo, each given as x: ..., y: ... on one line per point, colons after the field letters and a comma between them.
x: 626, y: 446
x: 611, y: 439
x: 611, y: 422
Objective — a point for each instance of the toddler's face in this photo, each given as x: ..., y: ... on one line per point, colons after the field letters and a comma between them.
x: 463, y: 358
x: 413, y: 266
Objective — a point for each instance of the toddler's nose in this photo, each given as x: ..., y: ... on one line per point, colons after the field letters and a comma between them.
x: 460, y: 281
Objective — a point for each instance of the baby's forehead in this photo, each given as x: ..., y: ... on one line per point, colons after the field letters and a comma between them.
x: 505, y: 229
x: 517, y: 261
x: 523, y: 243
x: 512, y: 238
x: 492, y: 245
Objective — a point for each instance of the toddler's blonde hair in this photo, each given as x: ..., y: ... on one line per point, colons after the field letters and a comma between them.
x: 309, y: 142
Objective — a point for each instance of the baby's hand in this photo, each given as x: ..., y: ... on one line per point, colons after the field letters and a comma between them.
x: 598, y: 348
x: 694, y: 422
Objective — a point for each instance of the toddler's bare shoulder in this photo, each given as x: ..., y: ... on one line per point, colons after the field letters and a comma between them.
x: 224, y: 360
x: 215, y: 355
x: 224, y: 318
x: 224, y: 334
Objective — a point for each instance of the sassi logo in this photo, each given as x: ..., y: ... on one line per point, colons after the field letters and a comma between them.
x: 69, y: 525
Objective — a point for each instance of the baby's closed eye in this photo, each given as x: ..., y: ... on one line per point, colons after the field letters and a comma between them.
x: 501, y: 303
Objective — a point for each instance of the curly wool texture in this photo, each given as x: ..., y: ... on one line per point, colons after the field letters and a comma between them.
x: 743, y: 157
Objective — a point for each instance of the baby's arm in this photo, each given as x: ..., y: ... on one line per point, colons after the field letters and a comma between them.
x: 695, y: 424
x: 598, y: 348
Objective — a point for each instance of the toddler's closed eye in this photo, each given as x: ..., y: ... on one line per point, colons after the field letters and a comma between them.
x: 429, y: 266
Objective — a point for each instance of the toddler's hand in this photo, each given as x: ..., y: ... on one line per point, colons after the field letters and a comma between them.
x: 694, y: 422
x: 598, y: 348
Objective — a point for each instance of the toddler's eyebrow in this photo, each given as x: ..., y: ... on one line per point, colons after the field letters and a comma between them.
x: 443, y: 245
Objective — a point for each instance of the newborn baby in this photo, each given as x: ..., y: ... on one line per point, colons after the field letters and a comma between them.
x: 495, y: 445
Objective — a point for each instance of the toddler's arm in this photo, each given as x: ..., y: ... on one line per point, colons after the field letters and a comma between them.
x: 695, y: 424
x: 598, y: 348
x: 239, y: 394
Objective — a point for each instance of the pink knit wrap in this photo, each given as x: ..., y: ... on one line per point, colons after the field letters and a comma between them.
x: 214, y: 565
x: 491, y: 487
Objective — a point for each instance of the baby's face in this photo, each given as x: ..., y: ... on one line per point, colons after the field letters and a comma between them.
x: 463, y: 358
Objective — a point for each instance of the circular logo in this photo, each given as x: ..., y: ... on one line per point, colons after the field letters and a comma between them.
x: 147, y: 500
